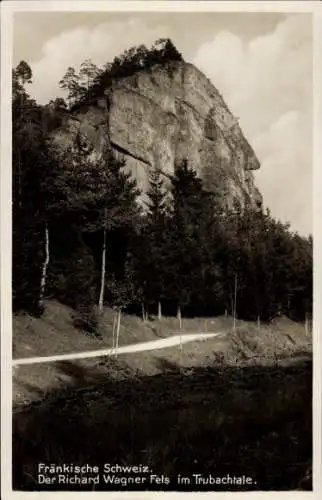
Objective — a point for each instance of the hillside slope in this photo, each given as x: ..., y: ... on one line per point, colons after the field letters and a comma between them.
x: 240, y: 404
x: 54, y: 333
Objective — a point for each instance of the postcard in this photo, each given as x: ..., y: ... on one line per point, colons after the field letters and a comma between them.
x: 159, y: 292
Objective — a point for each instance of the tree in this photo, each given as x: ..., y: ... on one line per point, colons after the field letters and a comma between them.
x: 57, y: 104
x: 21, y: 75
x: 30, y: 154
x: 89, y: 76
x: 71, y: 83
x: 157, y: 197
x: 192, y: 238
x: 80, y: 236
x: 129, y: 62
x: 167, y: 50
x: 119, y: 213
x: 273, y: 266
x: 96, y: 199
x: 151, y: 248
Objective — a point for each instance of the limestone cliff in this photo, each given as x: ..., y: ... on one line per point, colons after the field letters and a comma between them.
x: 157, y: 117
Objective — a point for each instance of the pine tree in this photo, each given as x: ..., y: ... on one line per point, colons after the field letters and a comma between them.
x: 71, y: 83
x: 268, y: 260
x: 192, y: 237
x: 88, y: 73
x: 120, y: 213
x: 152, y: 248
x: 30, y: 153
x: 85, y: 203
x: 21, y: 75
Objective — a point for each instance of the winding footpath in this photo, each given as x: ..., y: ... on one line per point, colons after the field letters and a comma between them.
x: 142, y: 346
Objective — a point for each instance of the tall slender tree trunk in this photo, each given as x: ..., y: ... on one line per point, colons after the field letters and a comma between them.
x: 19, y: 181
x: 21, y: 105
x: 143, y: 312
x: 43, y: 279
x: 159, y: 310
x: 179, y: 317
x: 113, y: 333
x: 180, y: 326
x: 101, y: 297
x: 88, y: 98
x: 118, y: 331
x: 235, y: 301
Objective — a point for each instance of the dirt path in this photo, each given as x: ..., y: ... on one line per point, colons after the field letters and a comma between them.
x: 142, y: 346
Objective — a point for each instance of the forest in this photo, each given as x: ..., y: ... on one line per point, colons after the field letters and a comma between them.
x: 81, y: 237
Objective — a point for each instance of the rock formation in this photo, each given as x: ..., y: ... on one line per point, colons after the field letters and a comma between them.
x: 160, y: 116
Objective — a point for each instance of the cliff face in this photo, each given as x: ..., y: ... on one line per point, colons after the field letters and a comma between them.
x: 155, y: 118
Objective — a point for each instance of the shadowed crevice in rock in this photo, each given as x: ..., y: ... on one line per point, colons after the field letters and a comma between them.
x: 125, y: 152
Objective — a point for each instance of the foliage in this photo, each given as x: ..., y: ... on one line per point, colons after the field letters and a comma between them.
x: 191, y: 235
x: 88, y: 73
x: 71, y: 83
x: 150, y: 247
x: 181, y: 250
x: 206, y: 417
x: 30, y: 154
x: 92, y: 80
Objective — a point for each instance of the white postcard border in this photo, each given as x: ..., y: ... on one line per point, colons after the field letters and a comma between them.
x: 7, y: 10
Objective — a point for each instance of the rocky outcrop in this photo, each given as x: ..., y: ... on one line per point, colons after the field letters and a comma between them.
x: 158, y: 117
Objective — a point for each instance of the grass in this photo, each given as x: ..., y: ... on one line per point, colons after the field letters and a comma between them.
x: 247, y: 345
x: 253, y: 420
x: 55, y: 333
x: 239, y: 404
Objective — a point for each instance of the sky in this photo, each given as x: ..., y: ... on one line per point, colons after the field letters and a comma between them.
x: 260, y: 62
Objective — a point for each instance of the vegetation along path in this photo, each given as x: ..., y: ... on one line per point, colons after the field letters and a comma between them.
x: 139, y: 347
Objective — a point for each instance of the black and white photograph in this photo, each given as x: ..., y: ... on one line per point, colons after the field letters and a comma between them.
x: 161, y: 248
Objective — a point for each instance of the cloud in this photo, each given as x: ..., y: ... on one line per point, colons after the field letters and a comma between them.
x: 100, y: 43
x: 267, y: 82
x: 285, y: 177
